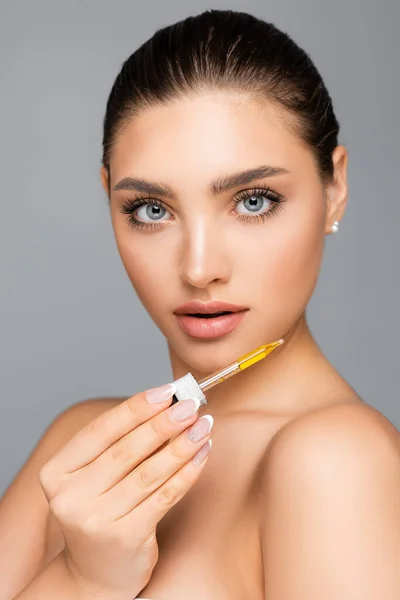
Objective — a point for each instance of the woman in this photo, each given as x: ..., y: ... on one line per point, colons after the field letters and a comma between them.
x: 224, y: 175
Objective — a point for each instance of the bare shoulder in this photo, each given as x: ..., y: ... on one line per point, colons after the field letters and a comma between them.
x: 29, y: 538
x: 79, y: 414
x: 349, y: 433
x: 342, y: 425
x: 331, y: 497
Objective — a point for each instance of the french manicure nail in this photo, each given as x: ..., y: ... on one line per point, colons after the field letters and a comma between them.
x: 160, y: 394
x: 201, y: 428
x: 184, y: 409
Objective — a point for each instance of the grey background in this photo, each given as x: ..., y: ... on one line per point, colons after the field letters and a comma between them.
x: 71, y: 326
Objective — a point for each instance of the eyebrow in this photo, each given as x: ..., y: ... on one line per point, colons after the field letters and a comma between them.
x: 216, y: 187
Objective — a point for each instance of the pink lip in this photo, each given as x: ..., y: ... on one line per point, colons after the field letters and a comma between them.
x: 213, y: 306
x: 208, y: 328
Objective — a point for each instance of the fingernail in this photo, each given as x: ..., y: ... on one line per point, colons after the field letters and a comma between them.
x: 201, y: 428
x: 201, y: 455
x: 184, y: 409
x: 160, y: 394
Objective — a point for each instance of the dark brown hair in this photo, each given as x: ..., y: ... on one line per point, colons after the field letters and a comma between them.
x: 226, y: 50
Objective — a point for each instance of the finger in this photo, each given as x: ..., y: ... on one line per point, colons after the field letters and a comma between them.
x: 137, y: 445
x: 143, y: 519
x: 106, y: 429
x: 153, y: 472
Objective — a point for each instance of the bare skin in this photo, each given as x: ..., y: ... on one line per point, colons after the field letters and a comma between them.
x: 209, y: 542
x: 220, y: 541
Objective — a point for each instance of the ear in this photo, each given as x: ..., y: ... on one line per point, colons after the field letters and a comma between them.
x: 337, y: 191
x: 104, y: 178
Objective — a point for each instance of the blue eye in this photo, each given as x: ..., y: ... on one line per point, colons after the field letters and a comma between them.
x: 145, y: 213
x: 150, y: 212
x: 254, y: 204
x: 257, y: 204
x: 250, y: 205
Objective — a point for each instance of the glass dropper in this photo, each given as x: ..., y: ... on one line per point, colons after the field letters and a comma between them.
x: 240, y: 365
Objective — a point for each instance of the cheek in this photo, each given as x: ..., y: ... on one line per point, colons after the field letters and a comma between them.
x: 148, y: 269
x: 283, y: 262
x: 296, y: 265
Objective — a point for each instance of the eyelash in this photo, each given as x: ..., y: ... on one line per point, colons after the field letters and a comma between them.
x: 132, y: 204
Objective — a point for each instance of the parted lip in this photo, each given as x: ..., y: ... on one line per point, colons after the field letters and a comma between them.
x: 215, y: 306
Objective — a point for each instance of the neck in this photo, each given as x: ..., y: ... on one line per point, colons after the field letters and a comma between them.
x: 278, y: 384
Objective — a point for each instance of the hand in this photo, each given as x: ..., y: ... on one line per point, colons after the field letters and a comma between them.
x: 111, y: 484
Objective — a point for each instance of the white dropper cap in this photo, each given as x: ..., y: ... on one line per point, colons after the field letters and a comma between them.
x: 188, y: 388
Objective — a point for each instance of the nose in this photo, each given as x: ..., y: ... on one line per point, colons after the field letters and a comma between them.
x: 204, y: 257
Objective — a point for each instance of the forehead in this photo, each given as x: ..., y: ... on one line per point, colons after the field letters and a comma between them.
x: 207, y: 133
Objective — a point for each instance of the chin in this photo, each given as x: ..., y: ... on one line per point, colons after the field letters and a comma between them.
x: 204, y: 356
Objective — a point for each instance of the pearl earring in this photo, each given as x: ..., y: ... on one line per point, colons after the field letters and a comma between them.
x: 335, y: 227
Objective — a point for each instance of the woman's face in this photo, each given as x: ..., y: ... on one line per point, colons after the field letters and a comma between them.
x: 256, y: 243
